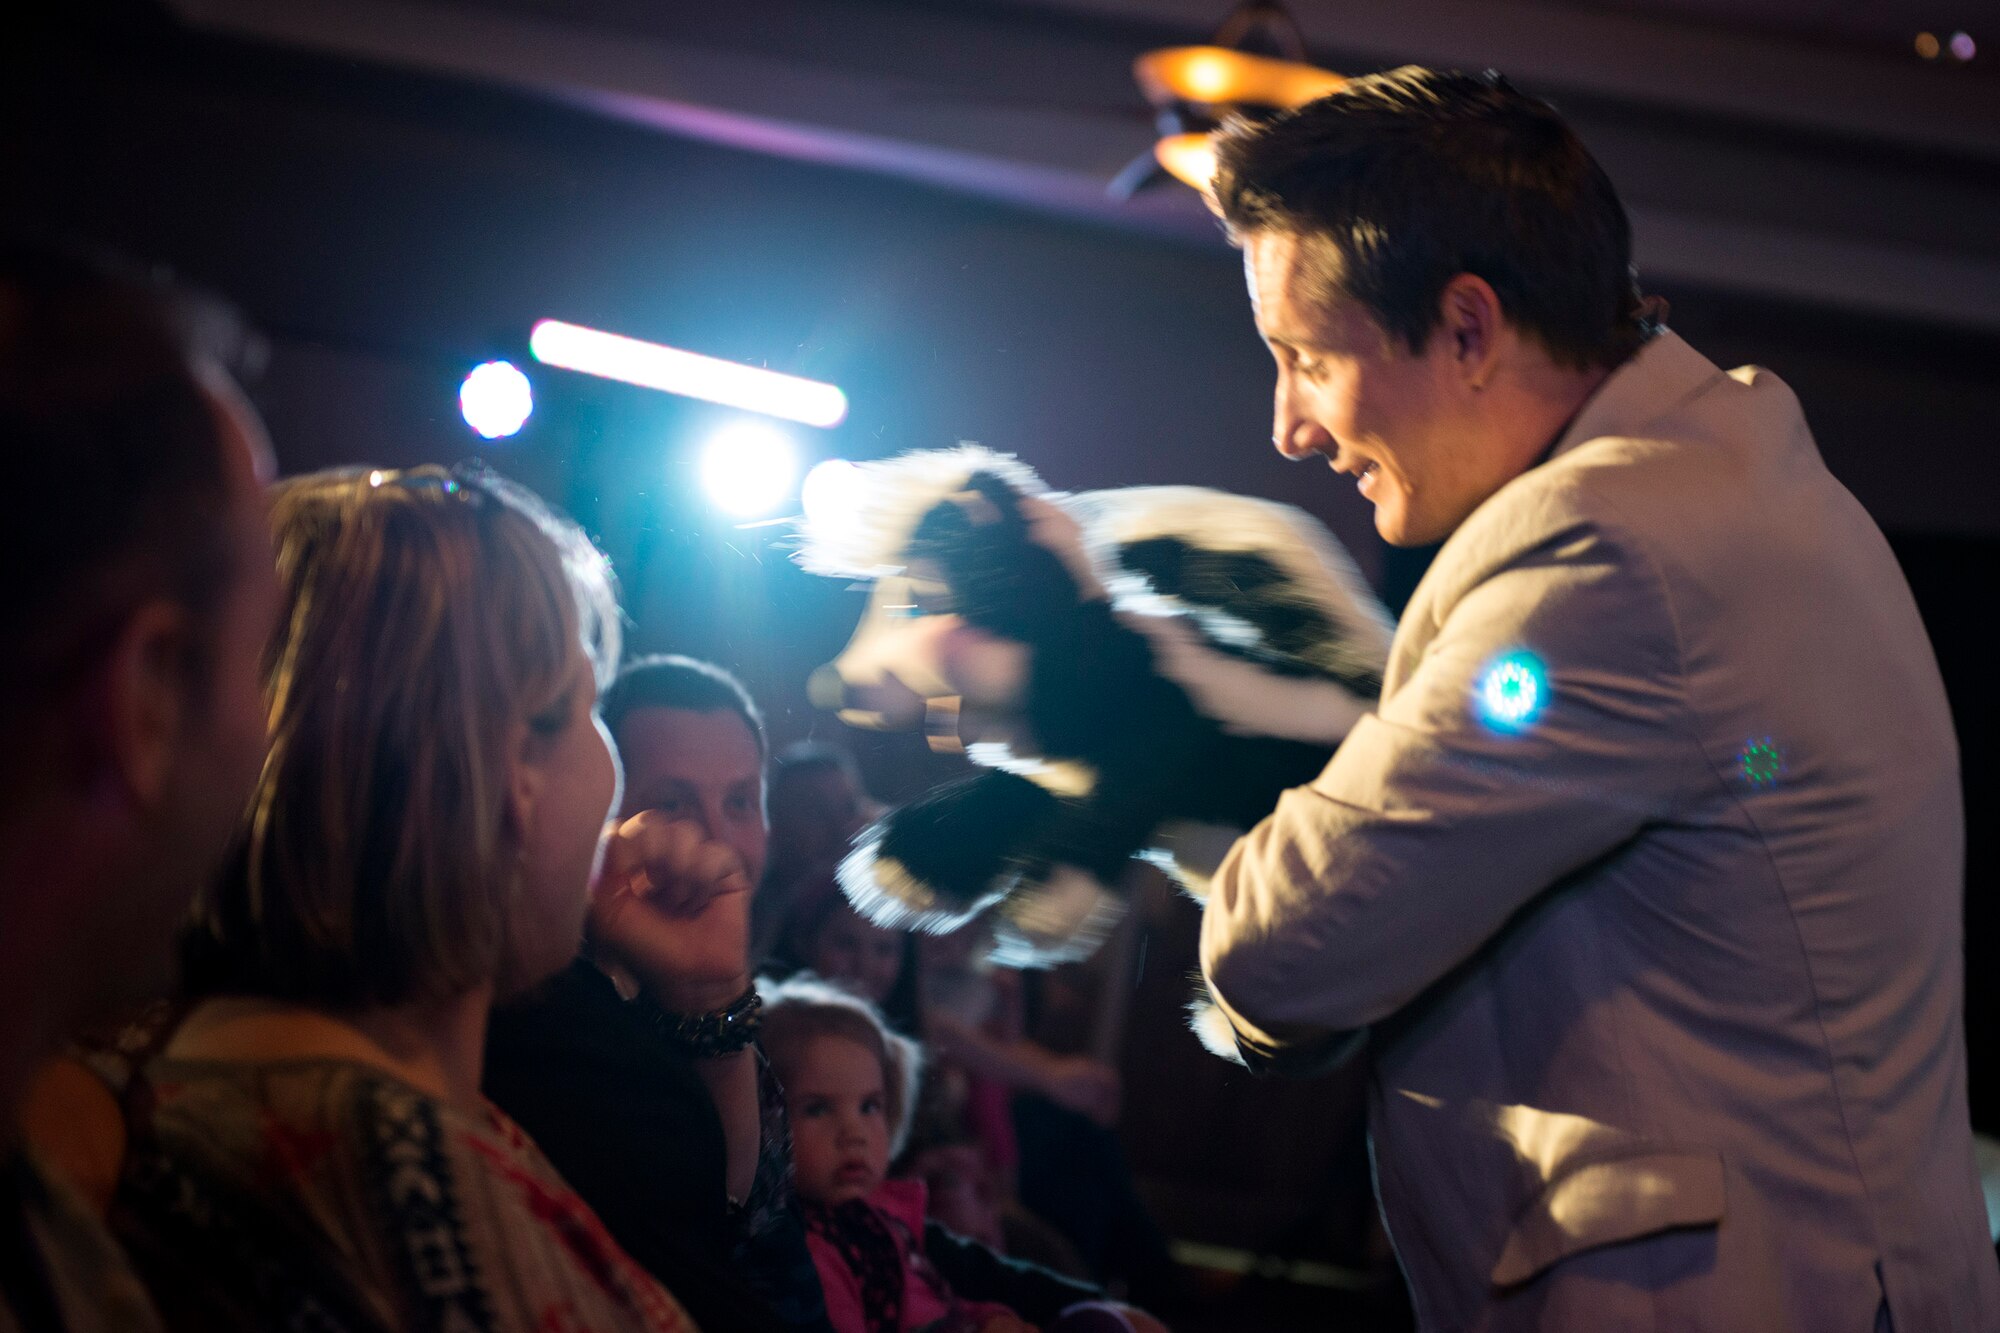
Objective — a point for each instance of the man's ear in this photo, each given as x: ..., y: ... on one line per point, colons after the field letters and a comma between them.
x: 1471, y: 317
x: 146, y: 701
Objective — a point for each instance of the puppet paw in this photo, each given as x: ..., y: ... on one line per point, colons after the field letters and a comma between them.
x: 1060, y: 918
x: 939, y: 861
x: 1211, y: 1026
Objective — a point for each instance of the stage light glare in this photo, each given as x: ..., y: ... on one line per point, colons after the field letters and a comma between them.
x: 613, y: 356
x: 831, y: 494
x: 496, y: 399
x: 1928, y: 45
x: 1963, y: 48
x: 747, y: 468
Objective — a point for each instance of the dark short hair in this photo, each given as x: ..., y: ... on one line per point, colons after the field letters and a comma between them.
x: 671, y: 681
x: 805, y: 757
x: 117, y: 480
x: 1417, y: 175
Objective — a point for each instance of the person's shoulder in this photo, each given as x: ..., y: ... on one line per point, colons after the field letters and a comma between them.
x: 575, y: 1039
x: 1577, y: 509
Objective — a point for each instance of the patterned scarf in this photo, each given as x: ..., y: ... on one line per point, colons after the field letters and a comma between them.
x: 869, y: 1249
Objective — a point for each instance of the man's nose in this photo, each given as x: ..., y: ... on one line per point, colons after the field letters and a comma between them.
x: 1293, y: 433
x: 708, y: 814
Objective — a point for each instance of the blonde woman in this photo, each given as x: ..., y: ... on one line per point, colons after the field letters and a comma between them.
x: 309, y: 1148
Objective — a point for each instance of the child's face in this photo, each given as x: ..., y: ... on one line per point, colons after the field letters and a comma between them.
x: 840, y: 1123
x: 858, y: 955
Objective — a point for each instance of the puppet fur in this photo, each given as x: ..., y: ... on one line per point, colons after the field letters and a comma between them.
x: 1151, y: 667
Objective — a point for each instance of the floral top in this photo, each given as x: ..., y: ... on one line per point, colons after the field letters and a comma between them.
x: 60, y: 1271
x: 327, y: 1195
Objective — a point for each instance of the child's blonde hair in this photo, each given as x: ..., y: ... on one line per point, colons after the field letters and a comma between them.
x: 804, y: 1008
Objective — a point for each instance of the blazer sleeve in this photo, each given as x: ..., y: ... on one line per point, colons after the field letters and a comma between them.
x: 1541, y: 728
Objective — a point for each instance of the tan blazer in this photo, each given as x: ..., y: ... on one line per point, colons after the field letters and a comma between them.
x: 1645, y: 882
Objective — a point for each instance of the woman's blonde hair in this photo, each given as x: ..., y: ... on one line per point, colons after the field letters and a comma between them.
x: 425, y: 614
x: 803, y: 1008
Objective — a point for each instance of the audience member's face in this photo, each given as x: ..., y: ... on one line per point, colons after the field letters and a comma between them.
x: 858, y: 955
x: 222, y: 744
x: 822, y: 810
x: 840, y: 1123
x: 701, y: 767
x: 574, y: 783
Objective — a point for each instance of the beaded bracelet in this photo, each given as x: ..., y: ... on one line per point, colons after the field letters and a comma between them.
x: 722, y: 1031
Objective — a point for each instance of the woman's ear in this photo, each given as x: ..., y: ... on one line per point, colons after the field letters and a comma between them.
x: 526, y: 778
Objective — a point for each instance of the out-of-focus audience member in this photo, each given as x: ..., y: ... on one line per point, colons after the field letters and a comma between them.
x: 849, y: 1085
x: 818, y: 804
x: 310, y: 1149
x: 823, y: 935
x: 137, y: 599
x: 634, y: 1068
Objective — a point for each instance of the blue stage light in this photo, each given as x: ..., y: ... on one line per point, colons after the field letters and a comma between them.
x: 496, y: 399
x: 1512, y: 692
x: 673, y: 370
x: 831, y: 494
x: 748, y: 468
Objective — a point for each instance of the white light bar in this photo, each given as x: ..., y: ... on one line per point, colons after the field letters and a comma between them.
x: 690, y: 374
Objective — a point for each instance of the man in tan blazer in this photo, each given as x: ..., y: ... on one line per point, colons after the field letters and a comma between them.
x: 1643, y: 886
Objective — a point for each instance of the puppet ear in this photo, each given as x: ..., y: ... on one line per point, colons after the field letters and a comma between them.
x: 944, y: 858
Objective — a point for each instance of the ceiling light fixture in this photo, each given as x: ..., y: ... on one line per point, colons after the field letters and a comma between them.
x: 1194, y: 88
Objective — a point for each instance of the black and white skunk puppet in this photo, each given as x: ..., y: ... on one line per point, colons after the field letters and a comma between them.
x: 1140, y: 673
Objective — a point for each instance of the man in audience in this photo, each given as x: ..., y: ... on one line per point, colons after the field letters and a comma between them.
x: 137, y: 597
x: 1644, y: 882
x: 634, y: 1070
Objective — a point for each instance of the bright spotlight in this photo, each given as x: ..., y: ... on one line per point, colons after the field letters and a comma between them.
x: 831, y: 494
x: 748, y: 468
x: 671, y: 370
x: 496, y: 399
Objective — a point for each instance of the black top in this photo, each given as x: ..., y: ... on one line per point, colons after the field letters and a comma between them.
x: 631, y: 1126
x: 980, y: 1274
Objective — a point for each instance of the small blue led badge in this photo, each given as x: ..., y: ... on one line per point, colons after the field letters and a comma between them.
x: 1512, y: 692
x: 1761, y: 761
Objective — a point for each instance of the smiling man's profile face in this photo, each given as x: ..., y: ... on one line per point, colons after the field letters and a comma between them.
x: 1349, y: 392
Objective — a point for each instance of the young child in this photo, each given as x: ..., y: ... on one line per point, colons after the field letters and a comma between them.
x: 849, y: 1083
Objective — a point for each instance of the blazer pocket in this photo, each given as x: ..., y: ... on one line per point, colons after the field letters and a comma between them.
x: 1604, y: 1202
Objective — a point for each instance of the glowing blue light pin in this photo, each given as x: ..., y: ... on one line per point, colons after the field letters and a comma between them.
x: 1512, y: 692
